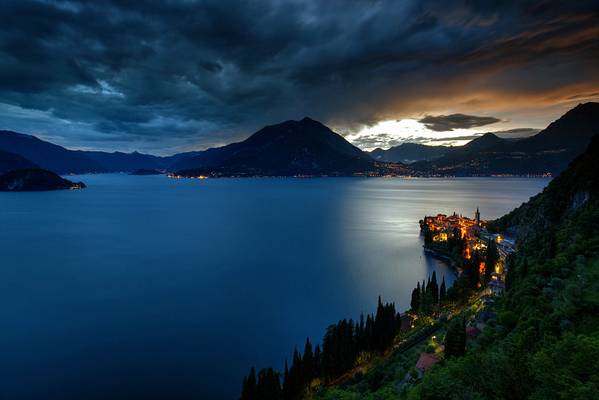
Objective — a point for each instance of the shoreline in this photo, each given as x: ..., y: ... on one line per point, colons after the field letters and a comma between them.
x: 443, y: 257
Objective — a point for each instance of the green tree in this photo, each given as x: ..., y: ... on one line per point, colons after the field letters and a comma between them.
x: 249, y: 386
x: 442, y: 291
x: 434, y: 288
x: 308, y: 362
x: 269, y: 385
x: 455, y: 339
x: 415, y: 302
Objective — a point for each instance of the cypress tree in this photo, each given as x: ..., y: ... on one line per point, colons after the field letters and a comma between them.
x: 369, y: 333
x: 435, y: 288
x: 244, y: 389
x: 442, y: 291
x: 296, y: 371
x: 360, y: 334
x: 473, y: 270
x: 308, y: 362
x: 415, y: 302
x: 249, y: 387
x: 455, y: 339
x: 268, y: 386
x: 426, y: 303
x: 317, y: 361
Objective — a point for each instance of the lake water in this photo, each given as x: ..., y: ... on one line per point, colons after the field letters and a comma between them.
x: 150, y: 287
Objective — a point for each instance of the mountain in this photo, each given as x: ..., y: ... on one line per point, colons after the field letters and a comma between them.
x: 570, y: 133
x: 10, y: 161
x: 63, y: 161
x: 488, y: 141
x: 549, y: 151
x: 25, y: 180
x: 47, y: 155
x: 307, y: 147
x: 177, y: 160
x: 575, y: 188
x: 414, y: 152
x: 125, y: 162
x: 407, y: 153
x: 304, y: 147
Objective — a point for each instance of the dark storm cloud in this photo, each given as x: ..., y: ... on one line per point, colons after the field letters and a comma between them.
x: 444, y: 123
x: 180, y: 74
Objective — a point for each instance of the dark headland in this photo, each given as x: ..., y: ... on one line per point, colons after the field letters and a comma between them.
x: 35, y: 179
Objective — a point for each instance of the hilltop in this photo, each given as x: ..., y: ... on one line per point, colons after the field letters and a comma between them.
x: 305, y: 147
x: 10, y: 161
x: 549, y: 151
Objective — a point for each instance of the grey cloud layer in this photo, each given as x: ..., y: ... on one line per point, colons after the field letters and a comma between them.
x: 185, y: 73
x: 444, y: 123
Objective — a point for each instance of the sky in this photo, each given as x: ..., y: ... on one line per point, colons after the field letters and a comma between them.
x: 170, y: 76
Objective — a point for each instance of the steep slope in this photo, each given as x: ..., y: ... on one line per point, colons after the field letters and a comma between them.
x: 577, y: 186
x: 47, y: 155
x: 410, y: 152
x: 548, y: 151
x: 571, y: 133
x: 541, y: 338
x: 546, y: 340
x: 10, y: 161
x: 468, y: 159
x: 176, y: 161
x: 288, y: 148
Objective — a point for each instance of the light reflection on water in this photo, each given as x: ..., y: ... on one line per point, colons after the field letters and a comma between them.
x: 142, y: 285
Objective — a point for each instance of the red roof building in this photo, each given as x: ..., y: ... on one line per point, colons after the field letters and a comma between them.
x: 472, y: 332
x: 426, y: 361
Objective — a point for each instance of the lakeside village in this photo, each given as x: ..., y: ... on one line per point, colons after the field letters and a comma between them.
x: 453, y: 319
x: 392, y: 351
x: 456, y: 237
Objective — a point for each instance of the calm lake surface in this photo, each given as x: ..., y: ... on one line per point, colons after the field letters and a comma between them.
x: 144, y: 286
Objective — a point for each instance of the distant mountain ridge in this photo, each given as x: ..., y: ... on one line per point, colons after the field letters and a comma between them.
x: 290, y: 148
x: 11, y: 161
x: 47, y: 155
x: 408, y: 153
x: 549, y: 151
x: 64, y: 161
x: 309, y: 147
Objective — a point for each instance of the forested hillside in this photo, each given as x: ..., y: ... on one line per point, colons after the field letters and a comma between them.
x: 546, y: 342
x: 542, y: 341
